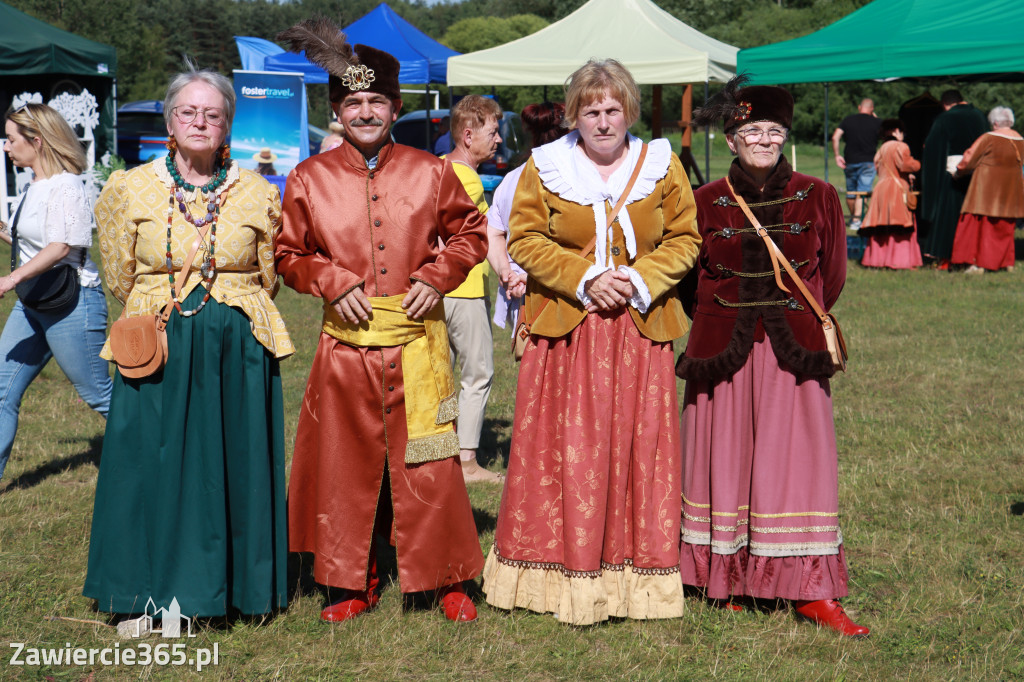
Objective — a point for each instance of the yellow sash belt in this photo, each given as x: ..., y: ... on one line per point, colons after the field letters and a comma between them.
x: 430, y: 401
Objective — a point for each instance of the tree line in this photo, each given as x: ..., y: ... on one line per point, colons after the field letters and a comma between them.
x: 152, y: 36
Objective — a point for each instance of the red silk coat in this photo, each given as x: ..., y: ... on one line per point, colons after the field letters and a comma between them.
x: 731, y: 293
x: 347, y: 226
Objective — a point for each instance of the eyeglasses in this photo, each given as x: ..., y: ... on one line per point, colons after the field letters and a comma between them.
x: 186, y: 114
x: 754, y: 135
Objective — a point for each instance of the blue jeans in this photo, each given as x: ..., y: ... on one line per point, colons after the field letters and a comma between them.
x: 859, y: 177
x: 30, y: 338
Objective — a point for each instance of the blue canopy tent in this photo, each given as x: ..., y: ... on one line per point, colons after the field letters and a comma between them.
x: 423, y: 59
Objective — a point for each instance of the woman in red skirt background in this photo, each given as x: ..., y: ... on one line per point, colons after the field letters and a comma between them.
x: 995, y: 198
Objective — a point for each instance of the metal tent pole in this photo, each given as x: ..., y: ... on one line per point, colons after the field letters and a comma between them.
x: 707, y: 141
x: 826, y: 132
x: 426, y: 104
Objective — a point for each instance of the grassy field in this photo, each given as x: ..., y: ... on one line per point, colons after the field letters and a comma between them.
x: 930, y: 423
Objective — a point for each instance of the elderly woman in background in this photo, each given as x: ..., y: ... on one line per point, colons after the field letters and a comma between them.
x: 995, y: 198
x: 889, y: 225
x: 190, y: 503
x: 53, y: 226
x: 588, y: 526
x: 543, y: 121
x: 760, y: 488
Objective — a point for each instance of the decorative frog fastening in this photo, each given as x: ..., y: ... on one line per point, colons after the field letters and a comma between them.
x: 800, y: 194
x: 721, y: 201
x: 796, y: 228
x: 792, y: 304
x: 728, y: 232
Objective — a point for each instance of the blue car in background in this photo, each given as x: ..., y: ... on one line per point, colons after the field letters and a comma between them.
x: 142, y: 133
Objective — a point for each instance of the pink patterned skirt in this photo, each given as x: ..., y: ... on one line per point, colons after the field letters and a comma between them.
x: 984, y: 241
x: 590, y: 516
x: 760, y: 491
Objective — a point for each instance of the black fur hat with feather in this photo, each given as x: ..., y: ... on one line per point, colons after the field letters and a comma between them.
x: 736, y: 105
x: 349, y: 70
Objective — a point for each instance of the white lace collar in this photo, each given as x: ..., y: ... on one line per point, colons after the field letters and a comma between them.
x: 566, y: 171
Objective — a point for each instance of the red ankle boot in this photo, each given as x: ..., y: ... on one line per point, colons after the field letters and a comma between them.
x: 355, y: 602
x: 829, y: 613
x: 457, y: 605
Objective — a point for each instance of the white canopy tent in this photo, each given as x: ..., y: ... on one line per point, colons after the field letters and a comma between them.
x: 655, y: 46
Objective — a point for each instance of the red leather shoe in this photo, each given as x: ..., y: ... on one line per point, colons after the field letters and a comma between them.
x: 355, y: 602
x: 350, y: 608
x: 726, y: 604
x: 830, y: 613
x: 457, y: 606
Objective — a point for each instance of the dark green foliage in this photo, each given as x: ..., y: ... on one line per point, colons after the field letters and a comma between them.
x: 152, y: 36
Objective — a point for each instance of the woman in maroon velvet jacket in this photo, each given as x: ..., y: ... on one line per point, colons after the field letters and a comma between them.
x: 760, y: 485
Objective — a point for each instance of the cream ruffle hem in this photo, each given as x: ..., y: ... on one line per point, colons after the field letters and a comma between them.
x: 576, y: 598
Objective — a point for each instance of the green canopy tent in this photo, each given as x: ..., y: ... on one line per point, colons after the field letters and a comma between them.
x: 38, y: 57
x: 890, y: 39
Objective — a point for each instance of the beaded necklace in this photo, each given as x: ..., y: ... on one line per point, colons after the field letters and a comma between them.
x: 211, y: 196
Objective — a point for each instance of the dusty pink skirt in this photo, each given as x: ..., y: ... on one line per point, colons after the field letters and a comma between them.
x: 590, y: 516
x: 895, y: 248
x: 984, y: 241
x: 760, y: 485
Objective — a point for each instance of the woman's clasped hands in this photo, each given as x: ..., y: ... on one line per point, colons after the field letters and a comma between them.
x: 610, y: 290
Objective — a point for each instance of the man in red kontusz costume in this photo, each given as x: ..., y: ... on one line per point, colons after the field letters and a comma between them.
x: 375, y: 447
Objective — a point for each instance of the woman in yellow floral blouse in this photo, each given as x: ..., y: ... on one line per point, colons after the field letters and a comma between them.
x: 190, y: 498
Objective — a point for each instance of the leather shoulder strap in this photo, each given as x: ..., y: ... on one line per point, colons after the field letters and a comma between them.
x: 608, y: 223
x: 778, y: 258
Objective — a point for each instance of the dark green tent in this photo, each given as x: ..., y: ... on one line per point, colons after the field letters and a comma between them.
x: 38, y: 57
x: 899, y: 39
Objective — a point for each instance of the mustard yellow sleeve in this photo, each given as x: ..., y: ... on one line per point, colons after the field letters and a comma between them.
x: 265, y: 242
x: 554, y: 265
x: 664, y: 267
x: 117, y: 234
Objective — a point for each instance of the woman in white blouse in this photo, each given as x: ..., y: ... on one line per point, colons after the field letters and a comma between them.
x: 590, y: 516
x: 53, y: 222
x: 543, y: 121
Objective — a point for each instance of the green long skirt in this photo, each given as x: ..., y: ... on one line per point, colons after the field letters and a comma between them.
x: 190, y: 501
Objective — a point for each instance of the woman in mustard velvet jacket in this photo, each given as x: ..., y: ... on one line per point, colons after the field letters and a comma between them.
x: 589, y: 521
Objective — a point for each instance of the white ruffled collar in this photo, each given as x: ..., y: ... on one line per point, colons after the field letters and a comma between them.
x: 566, y: 171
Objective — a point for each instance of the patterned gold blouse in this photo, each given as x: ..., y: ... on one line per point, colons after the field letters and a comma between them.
x: 131, y: 218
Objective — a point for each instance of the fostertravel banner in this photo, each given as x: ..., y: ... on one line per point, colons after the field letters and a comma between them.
x: 270, y: 133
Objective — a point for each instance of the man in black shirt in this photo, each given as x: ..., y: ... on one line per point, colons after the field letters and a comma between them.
x: 861, y: 130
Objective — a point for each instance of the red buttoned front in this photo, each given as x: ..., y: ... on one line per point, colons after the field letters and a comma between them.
x: 379, y: 229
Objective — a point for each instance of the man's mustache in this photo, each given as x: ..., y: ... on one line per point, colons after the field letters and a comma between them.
x: 376, y: 122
